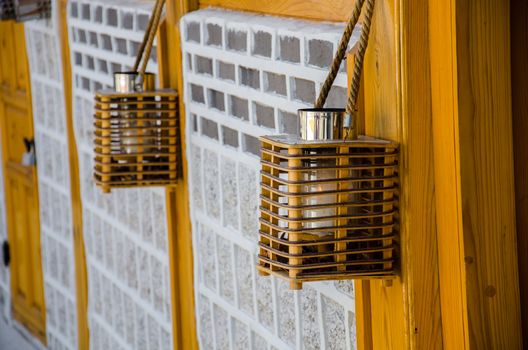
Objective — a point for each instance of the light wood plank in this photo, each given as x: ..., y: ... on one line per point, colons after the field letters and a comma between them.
x: 470, y: 61
x: 178, y: 216
x: 397, y: 106
x: 335, y: 10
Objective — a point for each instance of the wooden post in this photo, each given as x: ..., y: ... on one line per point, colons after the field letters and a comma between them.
x: 397, y: 104
x: 471, y: 103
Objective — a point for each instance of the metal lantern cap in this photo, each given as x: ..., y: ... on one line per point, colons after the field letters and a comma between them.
x: 321, y: 123
x: 127, y: 82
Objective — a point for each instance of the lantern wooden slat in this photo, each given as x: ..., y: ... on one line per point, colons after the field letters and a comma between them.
x: 343, y: 226
x: 136, y: 139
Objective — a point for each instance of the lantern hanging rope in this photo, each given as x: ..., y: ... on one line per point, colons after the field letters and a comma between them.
x: 351, y: 107
x: 148, y: 39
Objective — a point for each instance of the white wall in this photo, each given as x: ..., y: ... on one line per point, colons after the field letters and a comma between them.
x: 245, y: 76
x: 125, y: 231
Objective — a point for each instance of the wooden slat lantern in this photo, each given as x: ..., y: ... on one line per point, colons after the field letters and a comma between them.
x: 137, y: 126
x: 24, y: 10
x: 136, y: 134
x: 328, y: 205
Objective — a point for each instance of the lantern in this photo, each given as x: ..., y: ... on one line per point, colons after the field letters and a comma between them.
x: 136, y: 133
x: 24, y: 10
x: 136, y: 126
x: 328, y: 205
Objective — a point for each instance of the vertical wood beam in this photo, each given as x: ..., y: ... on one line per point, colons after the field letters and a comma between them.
x: 470, y: 62
x: 81, y: 278
x: 519, y: 59
x: 179, y: 225
x: 407, y: 314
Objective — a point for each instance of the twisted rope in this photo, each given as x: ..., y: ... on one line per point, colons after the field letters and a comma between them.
x: 350, y: 111
x: 358, y: 60
x: 340, y: 54
x: 157, y: 16
x: 148, y: 39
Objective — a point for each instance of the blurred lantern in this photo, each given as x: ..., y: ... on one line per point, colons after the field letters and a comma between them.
x: 24, y: 10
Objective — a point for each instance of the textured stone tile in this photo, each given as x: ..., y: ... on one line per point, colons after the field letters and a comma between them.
x: 243, y: 267
x: 264, y: 301
x: 134, y: 210
x: 286, y: 305
x: 310, y: 320
x: 259, y: 343
x: 206, y: 323
x: 109, y: 254
x: 226, y: 282
x: 352, y: 329
x: 141, y: 328
x: 144, y: 275
x: 264, y: 115
x: 147, y: 230
x: 346, y: 287
x: 211, y: 183
x: 157, y: 283
x: 221, y: 322
x: 229, y: 192
x: 208, y: 262
x: 248, y: 194
x: 119, y: 312
x: 106, y: 289
x: 337, y: 97
x: 153, y: 333
x: 303, y: 90
x: 196, y: 173
x: 129, y: 320
x: 165, y: 340
x: 240, y: 335
x: 334, y: 324
x: 203, y: 65
x: 131, y: 264
x: 320, y: 53
x: 160, y: 221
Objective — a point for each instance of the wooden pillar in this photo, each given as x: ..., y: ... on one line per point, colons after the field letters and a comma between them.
x: 397, y: 103
x: 471, y: 103
x: 519, y: 59
x: 178, y: 217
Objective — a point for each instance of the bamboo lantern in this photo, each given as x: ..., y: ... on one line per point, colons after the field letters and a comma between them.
x: 328, y: 205
x: 24, y: 10
x: 136, y: 126
x: 328, y: 196
x: 136, y: 134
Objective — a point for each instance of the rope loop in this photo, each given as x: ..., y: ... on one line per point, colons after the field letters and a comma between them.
x: 148, y: 39
x: 358, y: 62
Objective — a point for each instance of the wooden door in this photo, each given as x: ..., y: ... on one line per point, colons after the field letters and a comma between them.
x: 21, y: 186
